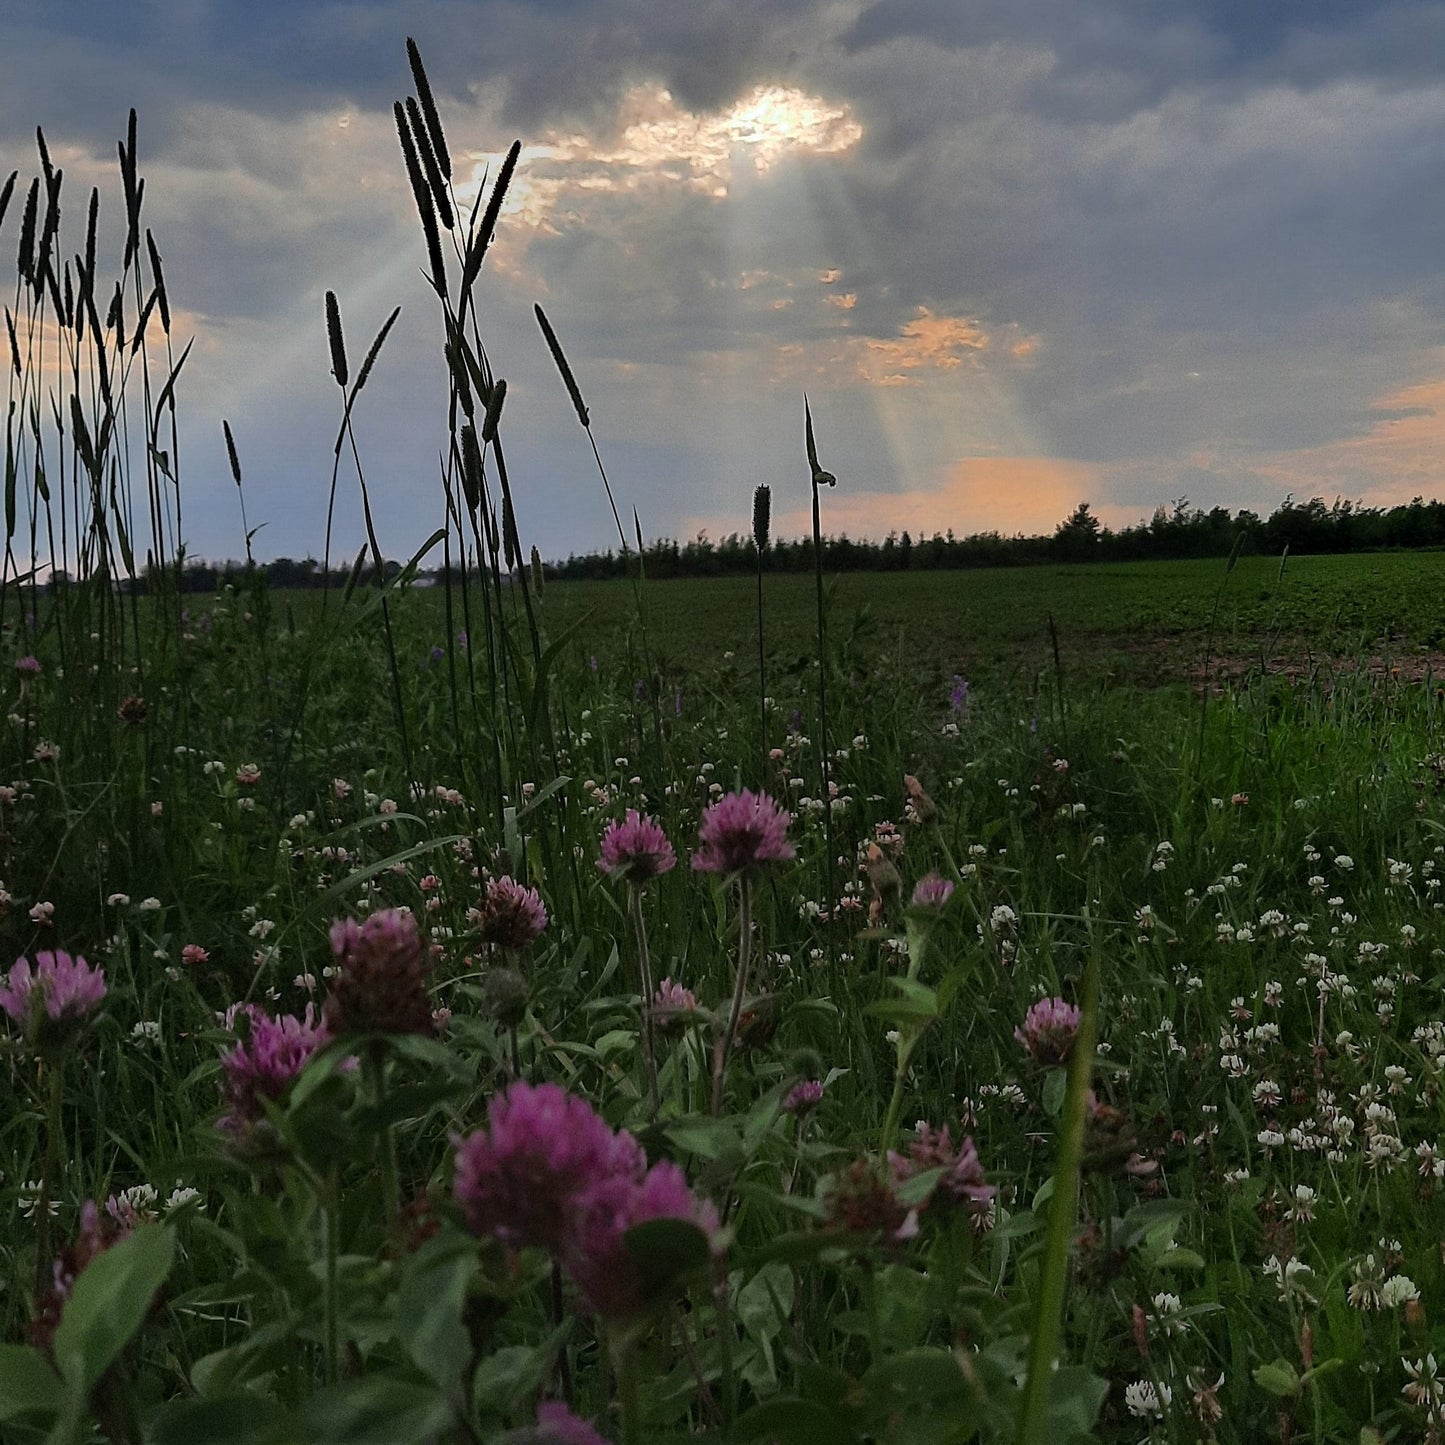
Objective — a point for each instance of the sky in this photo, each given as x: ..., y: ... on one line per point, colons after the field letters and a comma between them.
x: 1017, y: 254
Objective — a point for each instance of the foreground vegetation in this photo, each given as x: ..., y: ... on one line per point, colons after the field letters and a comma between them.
x: 499, y: 1021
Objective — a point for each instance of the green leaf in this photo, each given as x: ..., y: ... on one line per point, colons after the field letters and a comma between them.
x: 429, y: 1305
x: 667, y: 1252
x: 239, y: 1419
x: 109, y: 1304
x: 379, y: 1410
x: 27, y: 1383
x: 1056, y: 1084
x: 792, y: 1422
x: 1279, y: 1379
x: 703, y: 1136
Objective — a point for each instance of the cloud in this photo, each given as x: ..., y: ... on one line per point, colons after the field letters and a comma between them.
x: 976, y: 494
x: 1395, y: 459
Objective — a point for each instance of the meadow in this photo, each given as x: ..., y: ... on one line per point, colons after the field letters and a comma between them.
x: 1007, y: 1011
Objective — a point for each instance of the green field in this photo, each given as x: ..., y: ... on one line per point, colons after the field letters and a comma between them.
x: 1141, y: 622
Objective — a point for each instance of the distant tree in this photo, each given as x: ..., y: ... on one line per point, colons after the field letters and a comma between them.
x: 1077, y: 537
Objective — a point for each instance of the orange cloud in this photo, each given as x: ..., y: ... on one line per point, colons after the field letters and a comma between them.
x: 978, y: 494
x: 1395, y: 459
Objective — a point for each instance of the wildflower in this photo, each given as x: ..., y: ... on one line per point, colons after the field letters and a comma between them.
x: 1048, y: 1030
x: 132, y: 711
x: 740, y: 832
x: 1147, y: 1401
x: 262, y: 1067
x: 599, y: 1261
x: 52, y: 1000
x: 674, y: 1008
x: 511, y: 915
x: 381, y: 984
x: 636, y: 849
x: 1399, y: 1289
x: 958, y: 698
x: 963, y: 1178
x: 861, y: 1200
x: 193, y: 954
x: 520, y: 1179
x: 46, y: 752
x: 802, y: 1098
x: 932, y: 892
x: 920, y: 809
x: 504, y: 996
x: 556, y: 1425
x: 181, y: 1196
x: 97, y: 1234
x: 248, y: 775
x: 1425, y: 1388
x: 27, y: 666
x: 548, y: 1170
x: 132, y: 1207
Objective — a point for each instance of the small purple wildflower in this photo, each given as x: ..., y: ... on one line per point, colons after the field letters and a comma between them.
x: 263, y: 1066
x: 742, y: 831
x: 556, y: 1425
x: 27, y: 666
x: 548, y: 1170
x: 380, y: 986
x: 1048, y: 1030
x: 958, y: 698
x: 511, y: 916
x: 674, y: 1008
x: 437, y: 653
x: 802, y: 1098
x: 52, y: 1000
x: 599, y: 1261
x: 963, y: 1179
x: 520, y: 1178
x: 932, y: 892
x: 636, y: 849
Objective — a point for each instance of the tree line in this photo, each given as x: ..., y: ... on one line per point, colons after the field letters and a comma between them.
x: 1177, y: 531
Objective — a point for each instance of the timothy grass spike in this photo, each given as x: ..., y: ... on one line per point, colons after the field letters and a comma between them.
x: 25, y: 258
x: 435, y: 180
x: 762, y: 517
x: 160, y: 281
x: 488, y: 227
x: 494, y: 410
x: 429, y: 108
x: 231, y: 452
x: 6, y: 192
x: 335, y: 338
x: 568, y: 380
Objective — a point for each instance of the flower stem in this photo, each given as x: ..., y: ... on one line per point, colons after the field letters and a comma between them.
x: 1054, y: 1276
x: 647, y: 1031
x: 722, y: 1047
x: 375, y: 1066
x: 331, y: 1211
x: 53, y: 1101
x: 629, y: 1397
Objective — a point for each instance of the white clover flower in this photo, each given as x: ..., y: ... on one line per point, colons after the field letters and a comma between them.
x: 1399, y: 1289
x: 1145, y: 1401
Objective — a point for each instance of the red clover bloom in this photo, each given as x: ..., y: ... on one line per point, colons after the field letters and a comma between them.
x: 548, y: 1170
x: 511, y: 915
x: 556, y: 1425
x: 52, y: 999
x: 636, y: 849
x: 963, y: 1179
x: 1048, y: 1030
x: 380, y: 987
x: 932, y: 892
x: 802, y: 1098
x: 740, y: 832
x: 263, y: 1065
